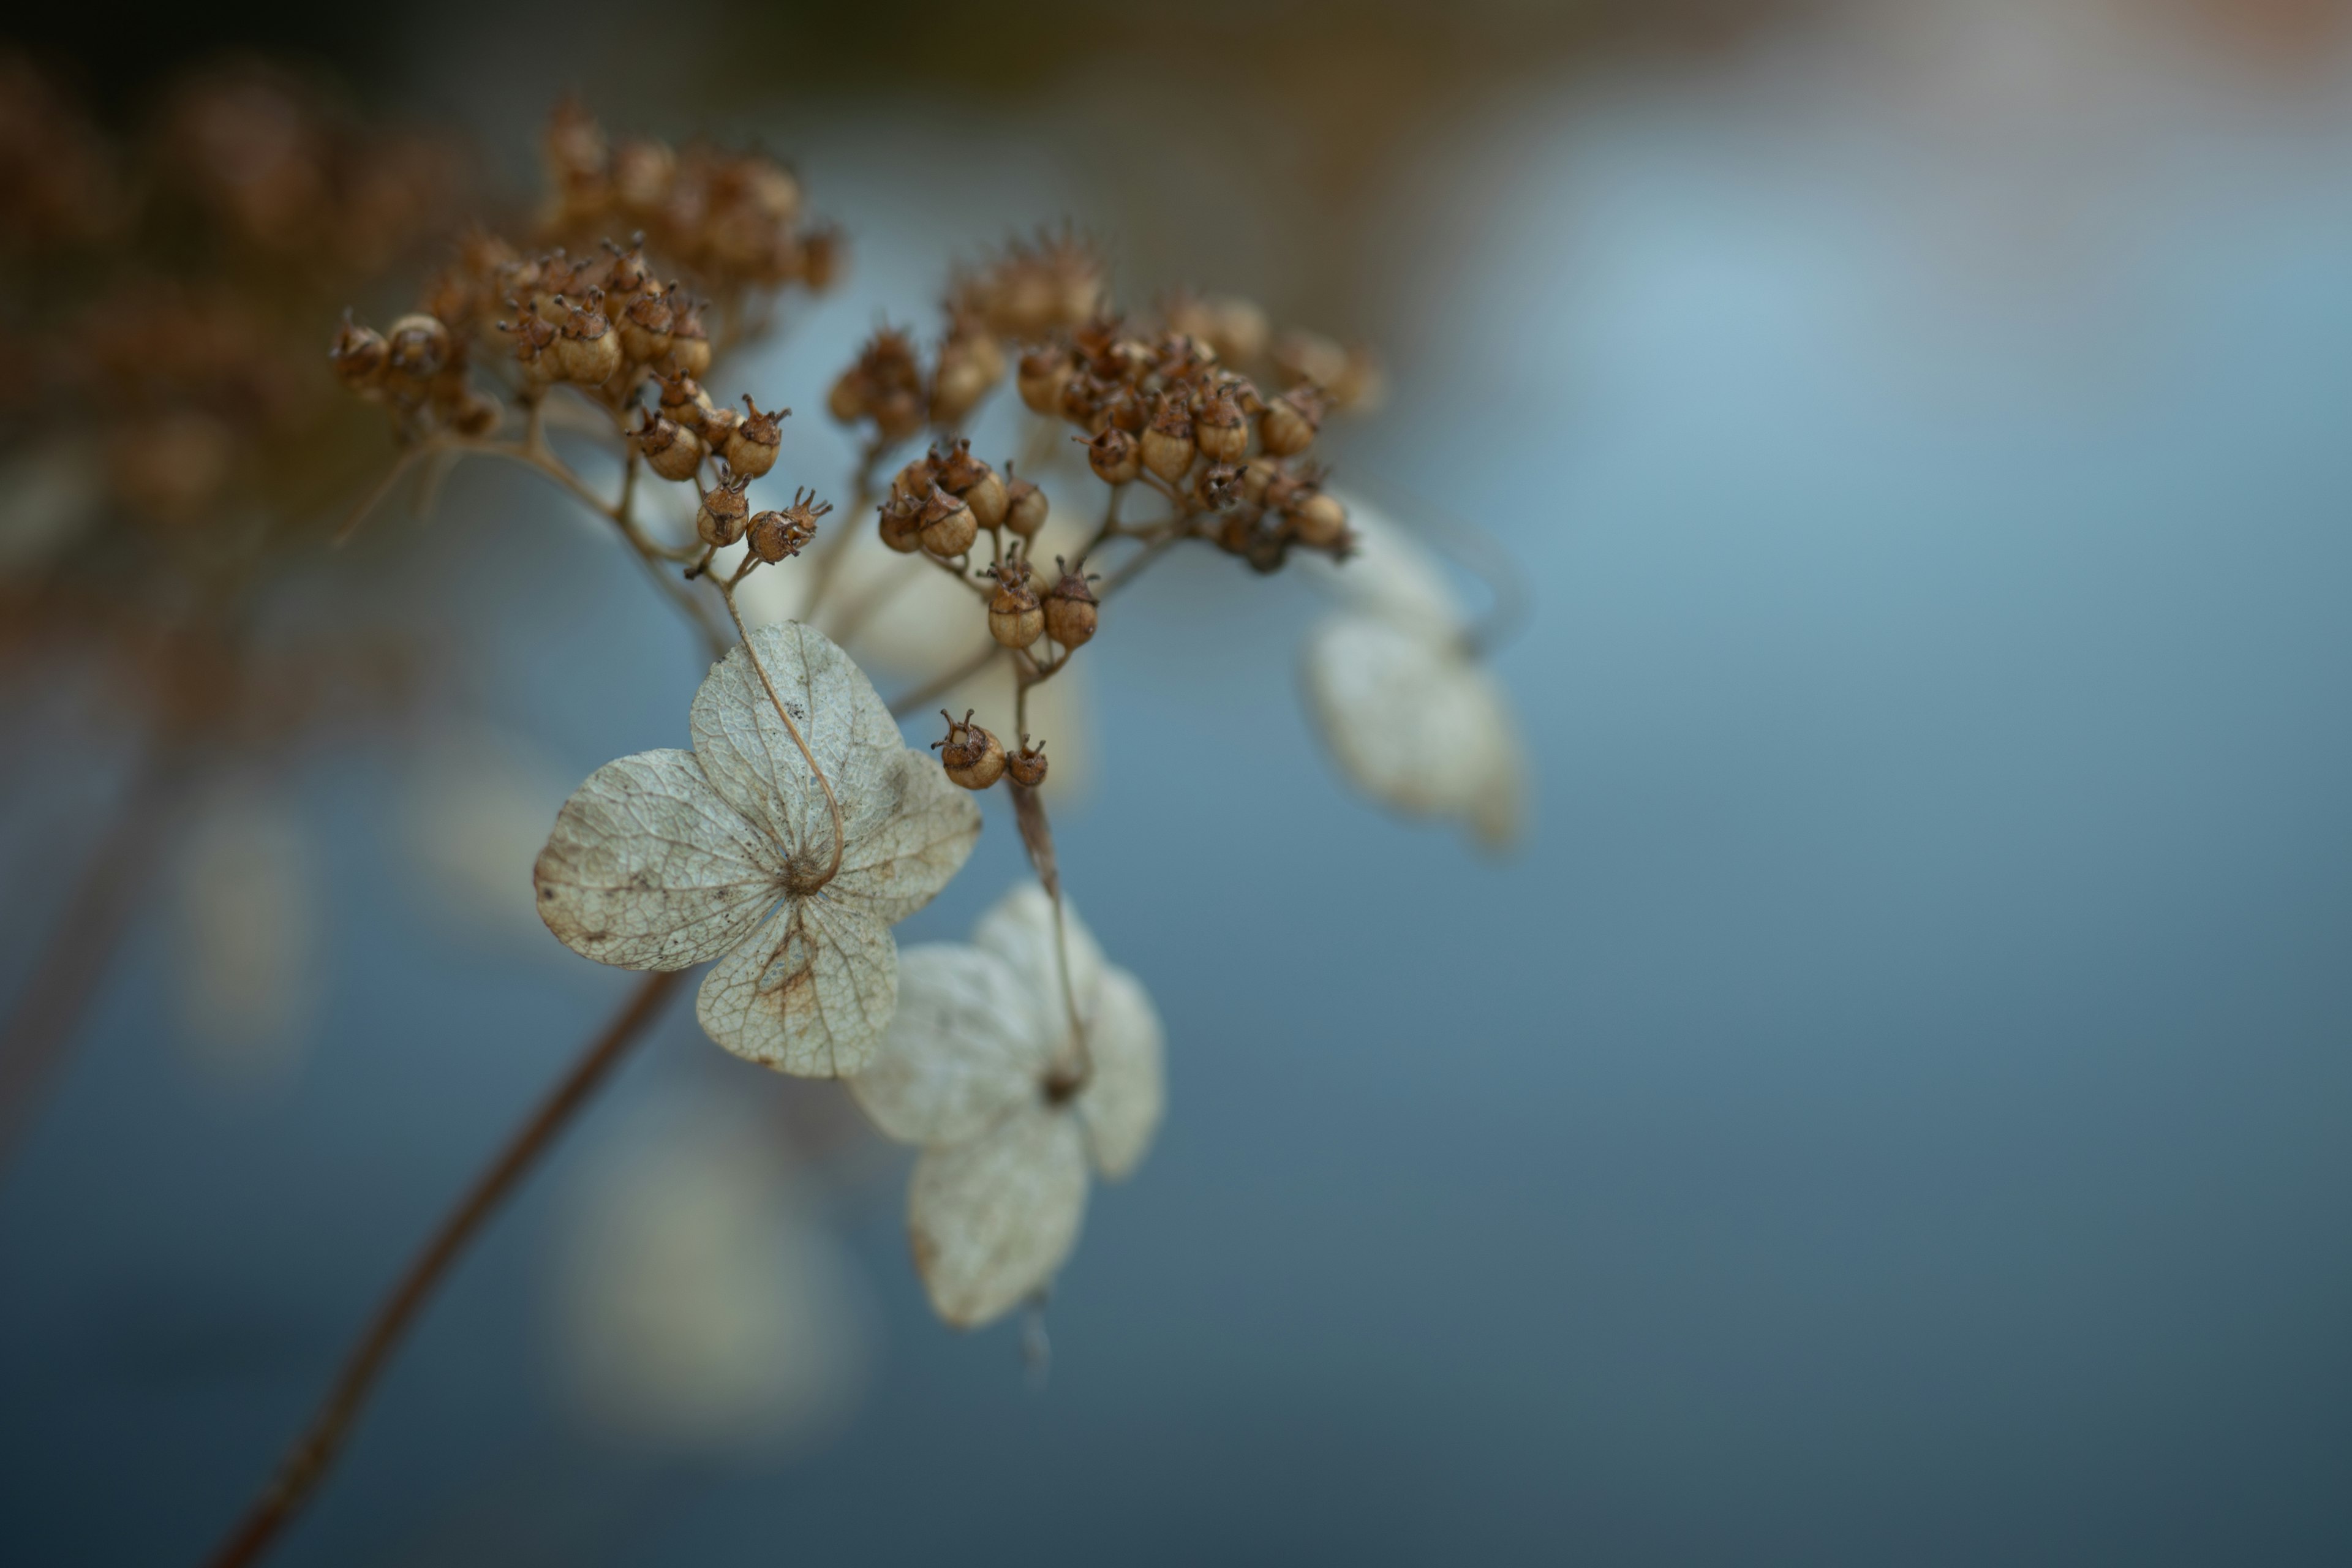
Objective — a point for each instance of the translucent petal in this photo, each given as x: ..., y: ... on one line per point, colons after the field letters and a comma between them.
x: 1415, y: 723
x: 649, y: 868
x: 992, y: 1219
x: 1020, y: 931
x: 1390, y: 574
x: 810, y: 993
x: 752, y: 761
x: 1121, y: 1103
x: 965, y: 1047
x: 900, y: 861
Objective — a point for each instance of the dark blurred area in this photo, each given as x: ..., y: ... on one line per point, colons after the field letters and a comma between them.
x: 1890, y: 1111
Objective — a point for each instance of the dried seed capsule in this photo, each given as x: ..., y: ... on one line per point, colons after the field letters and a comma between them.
x: 669, y: 450
x: 418, y: 346
x: 955, y: 470
x: 774, y: 535
x: 359, y: 356
x: 1257, y: 476
x: 1028, y: 765
x: 534, y: 342
x: 1070, y: 612
x: 750, y: 446
x: 1217, y: 486
x: 949, y: 528
x: 1220, y: 428
x: 1125, y: 410
x: 898, y: 416
x: 589, y: 352
x: 1167, y: 444
x: 689, y: 341
x: 968, y: 369
x: 1014, y: 616
x: 846, y: 400
x: 988, y: 497
x: 1290, y: 422
x: 1319, y: 520
x: 683, y: 401
x: 902, y: 523
x: 1024, y: 508
x: 724, y: 513
x: 915, y: 478
x: 1113, y: 456
x: 646, y: 324
x: 973, y: 757
x: 1045, y: 372
x: 716, y: 426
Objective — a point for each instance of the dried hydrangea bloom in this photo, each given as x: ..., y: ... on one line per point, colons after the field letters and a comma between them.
x: 1413, y: 718
x: 667, y: 858
x: 980, y: 1069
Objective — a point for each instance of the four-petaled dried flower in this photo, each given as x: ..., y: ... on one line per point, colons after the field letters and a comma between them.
x: 1011, y: 1106
x: 668, y: 859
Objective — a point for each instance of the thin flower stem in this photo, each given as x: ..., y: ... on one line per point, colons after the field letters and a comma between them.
x: 307, y: 1462
x: 832, y: 801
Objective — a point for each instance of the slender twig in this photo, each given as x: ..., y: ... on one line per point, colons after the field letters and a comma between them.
x: 41, y: 1025
x: 305, y: 1464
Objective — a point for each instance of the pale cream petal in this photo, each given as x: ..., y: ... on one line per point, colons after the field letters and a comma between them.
x: 1414, y: 723
x: 900, y: 862
x: 810, y: 994
x: 1020, y: 931
x: 992, y: 1219
x: 649, y: 868
x: 752, y: 761
x: 965, y: 1047
x: 1121, y: 1103
x: 904, y: 615
x: 1390, y: 574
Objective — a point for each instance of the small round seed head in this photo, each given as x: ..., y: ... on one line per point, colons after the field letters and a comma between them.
x: 775, y: 535
x: 683, y: 401
x: 1167, y: 444
x: 846, y: 400
x: 1070, y: 612
x: 588, y: 353
x: 360, y: 355
x: 1028, y: 765
x: 670, y: 450
x: 1113, y: 456
x: 1127, y: 410
x: 716, y: 426
x: 534, y: 345
x: 956, y: 469
x: 1289, y: 426
x: 723, y: 515
x: 752, y: 445
x: 417, y: 346
x: 1317, y: 518
x: 973, y: 757
x: 1015, y: 617
x: 948, y: 526
x: 902, y: 523
x: 1220, y: 427
x: 970, y: 366
x: 690, y: 340
x: 1217, y: 486
x: 1045, y: 372
x: 1025, y: 506
x: 916, y: 478
x: 646, y: 324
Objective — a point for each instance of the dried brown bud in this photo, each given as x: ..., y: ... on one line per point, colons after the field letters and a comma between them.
x: 670, y: 450
x: 1070, y: 614
x: 902, y: 523
x: 1222, y: 428
x: 1290, y: 422
x: 973, y: 757
x: 750, y: 448
x: 948, y: 527
x: 646, y: 324
x: 534, y: 342
x: 723, y: 515
x: 683, y: 401
x: 1217, y: 486
x: 588, y: 353
x: 1015, y: 617
x: 916, y: 478
x: 1045, y: 372
x: 1317, y: 518
x: 1113, y: 456
x: 1125, y: 410
x: 968, y: 367
x: 360, y: 355
x: 774, y: 535
x: 1028, y: 765
x: 1167, y: 444
x: 689, y: 341
x: 1025, y: 506
x: 417, y: 346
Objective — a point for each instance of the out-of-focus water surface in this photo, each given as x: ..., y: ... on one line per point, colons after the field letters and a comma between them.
x: 1892, y: 1111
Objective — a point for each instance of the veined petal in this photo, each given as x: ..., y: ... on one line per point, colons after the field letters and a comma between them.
x: 1020, y: 931
x: 810, y: 994
x: 649, y: 868
x: 965, y: 1047
x: 1121, y: 1103
x: 992, y: 1219
x: 751, y: 757
x: 913, y: 850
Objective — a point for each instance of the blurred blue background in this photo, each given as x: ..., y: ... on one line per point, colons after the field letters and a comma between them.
x: 1892, y: 1110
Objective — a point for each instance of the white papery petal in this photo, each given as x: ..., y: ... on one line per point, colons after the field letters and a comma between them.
x: 649, y: 868
x: 810, y: 994
x: 1390, y: 574
x: 965, y: 1047
x: 1121, y: 1104
x: 1020, y: 931
x: 1415, y: 723
x: 752, y: 758
x: 904, y: 856
x: 991, y: 1220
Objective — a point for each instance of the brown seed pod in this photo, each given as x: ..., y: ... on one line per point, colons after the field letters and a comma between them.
x: 683, y: 401
x: 1217, y: 486
x: 774, y: 535
x: 955, y: 470
x: 689, y: 341
x: 1070, y: 612
x: 1167, y: 444
x: 1290, y: 422
x: 1045, y: 372
x: 974, y: 758
x: 1113, y: 456
x: 417, y: 346
x: 644, y: 325
x: 750, y: 448
x: 723, y: 515
x: 717, y: 426
x: 534, y: 342
x: 1028, y: 765
x: 1127, y: 410
x: 1025, y: 506
x: 359, y: 356
x: 669, y: 451
x: 1083, y: 400
x: 948, y: 526
x: 902, y: 524
x: 1220, y: 427
x: 1319, y: 520
x: 968, y: 367
x: 915, y: 478
x: 988, y: 497
x: 588, y: 353
x: 1014, y: 616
